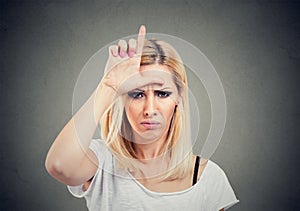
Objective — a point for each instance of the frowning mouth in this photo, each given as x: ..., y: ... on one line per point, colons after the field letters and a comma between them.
x: 150, y: 124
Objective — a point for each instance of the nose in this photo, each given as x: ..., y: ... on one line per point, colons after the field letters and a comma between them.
x: 150, y: 109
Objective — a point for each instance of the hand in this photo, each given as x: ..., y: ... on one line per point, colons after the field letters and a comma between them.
x: 122, y: 71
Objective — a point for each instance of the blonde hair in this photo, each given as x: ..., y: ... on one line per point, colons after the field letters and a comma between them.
x: 178, y: 142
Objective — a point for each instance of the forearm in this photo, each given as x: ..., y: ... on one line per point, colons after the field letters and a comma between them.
x: 70, y: 146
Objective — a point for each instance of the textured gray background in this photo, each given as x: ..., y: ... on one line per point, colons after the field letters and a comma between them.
x: 254, y: 46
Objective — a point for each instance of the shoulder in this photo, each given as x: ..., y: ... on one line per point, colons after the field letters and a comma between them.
x: 98, y: 143
x: 217, y: 178
x: 214, y: 175
x: 102, y: 152
x: 219, y: 186
x: 215, y: 168
x: 99, y: 151
x: 99, y: 147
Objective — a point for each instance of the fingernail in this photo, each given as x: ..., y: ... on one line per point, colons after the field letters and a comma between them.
x: 115, y: 53
x: 131, y: 54
x: 122, y: 54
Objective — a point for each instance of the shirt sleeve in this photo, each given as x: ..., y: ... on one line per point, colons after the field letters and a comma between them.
x: 103, y: 154
x: 227, y: 196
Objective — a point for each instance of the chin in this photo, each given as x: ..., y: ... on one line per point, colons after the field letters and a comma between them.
x: 148, y: 137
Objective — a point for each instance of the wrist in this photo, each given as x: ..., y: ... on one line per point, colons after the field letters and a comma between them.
x: 103, y: 98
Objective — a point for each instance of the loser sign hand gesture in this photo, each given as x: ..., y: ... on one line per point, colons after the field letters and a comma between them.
x: 122, y: 71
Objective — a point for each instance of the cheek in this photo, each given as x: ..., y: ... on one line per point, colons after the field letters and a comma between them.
x: 169, y: 111
x: 132, y: 111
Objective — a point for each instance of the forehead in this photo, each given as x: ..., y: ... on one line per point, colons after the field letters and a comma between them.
x: 161, y: 72
x: 155, y: 67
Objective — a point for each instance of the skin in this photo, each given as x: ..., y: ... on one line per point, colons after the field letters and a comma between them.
x: 70, y: 161
x: 149, y: 110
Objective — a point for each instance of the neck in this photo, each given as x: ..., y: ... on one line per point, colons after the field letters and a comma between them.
x: 152, y: 162
x: 151, y: 149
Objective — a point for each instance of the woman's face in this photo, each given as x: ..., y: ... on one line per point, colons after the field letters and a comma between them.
x: 149, y: 109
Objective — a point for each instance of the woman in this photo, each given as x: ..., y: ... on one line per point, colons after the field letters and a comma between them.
x: 144, y: 161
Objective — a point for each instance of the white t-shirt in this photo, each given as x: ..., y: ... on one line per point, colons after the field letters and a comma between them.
x: 110, y: 192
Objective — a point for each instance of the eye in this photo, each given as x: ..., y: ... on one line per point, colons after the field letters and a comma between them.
x: 163, y: 94
x: 136, y: 94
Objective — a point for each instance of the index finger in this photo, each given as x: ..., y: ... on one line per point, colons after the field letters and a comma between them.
x: 140, y: 40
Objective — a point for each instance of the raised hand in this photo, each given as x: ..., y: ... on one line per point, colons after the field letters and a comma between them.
x: 122, y: 71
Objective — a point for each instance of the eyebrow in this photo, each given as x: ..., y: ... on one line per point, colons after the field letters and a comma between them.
x: 137, y: 90
x: 141, y: 90
x: 165, y: 88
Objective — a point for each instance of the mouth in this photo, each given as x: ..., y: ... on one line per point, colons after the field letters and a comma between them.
x: 150, y: 124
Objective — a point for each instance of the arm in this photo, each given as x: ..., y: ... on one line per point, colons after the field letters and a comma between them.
x: 69, y: 159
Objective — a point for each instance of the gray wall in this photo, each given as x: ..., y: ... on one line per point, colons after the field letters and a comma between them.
x: 254, y: 46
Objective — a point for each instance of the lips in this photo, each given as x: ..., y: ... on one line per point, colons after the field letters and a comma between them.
x: 150, y: 124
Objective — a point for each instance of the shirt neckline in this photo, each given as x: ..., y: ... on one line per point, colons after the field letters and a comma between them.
x: 176, y: 192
